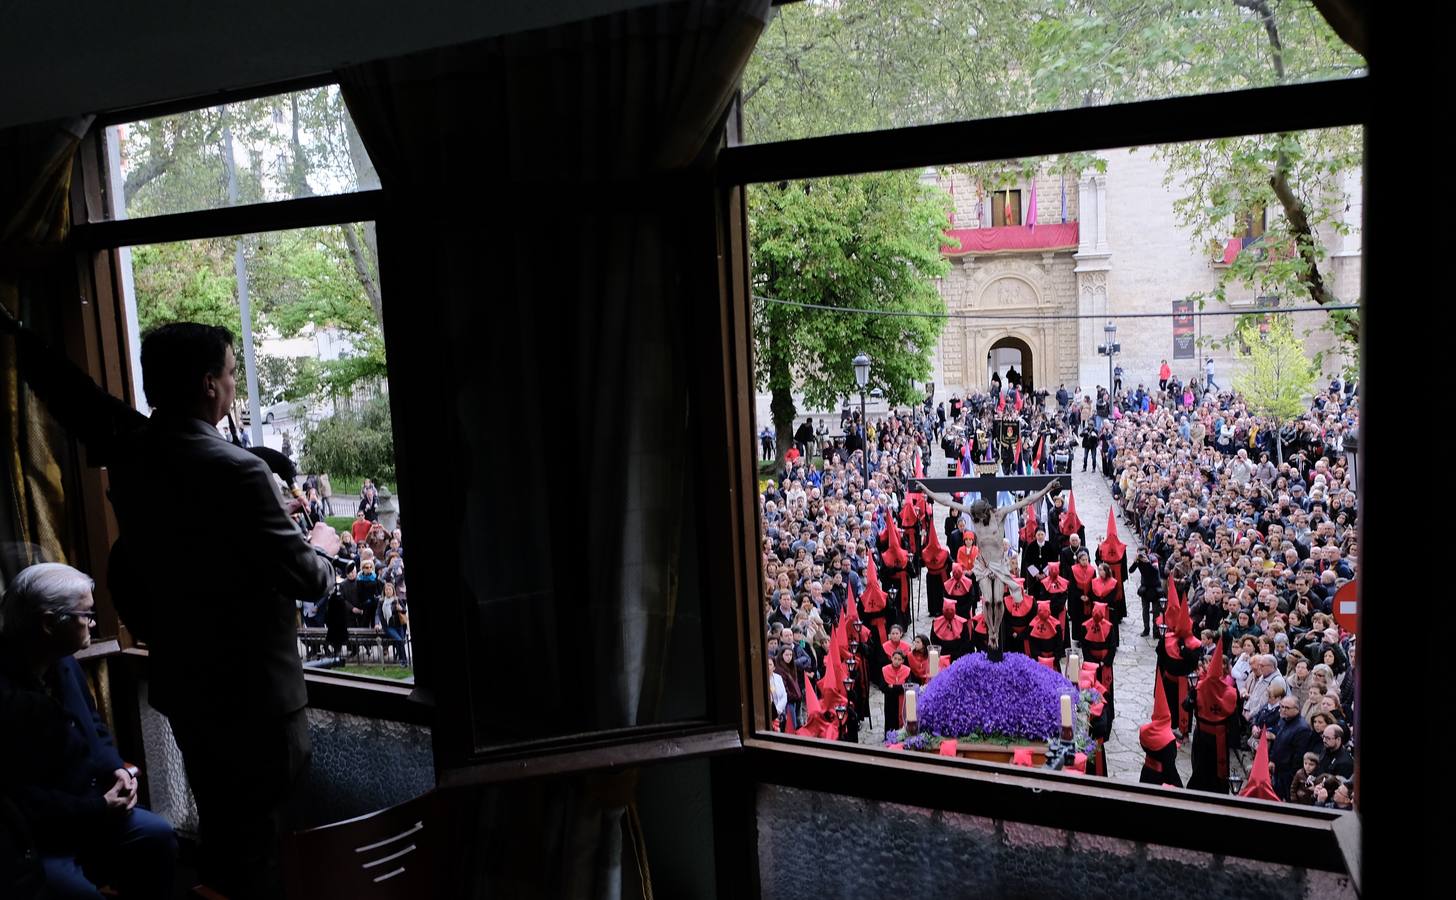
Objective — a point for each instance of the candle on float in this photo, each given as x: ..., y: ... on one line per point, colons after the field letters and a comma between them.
x: 1066, y: 710
x: 934, y: 662
x: 910, y: 707
x: 1074, y: 667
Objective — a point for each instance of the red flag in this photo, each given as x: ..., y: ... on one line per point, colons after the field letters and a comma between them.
x: 1001, y: 404
x: 1018, y: 401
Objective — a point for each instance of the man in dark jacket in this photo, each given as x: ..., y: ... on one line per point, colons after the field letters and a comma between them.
x: 1336, y: 760
x: 58, y: 764
x: 235, y: 700
x: 1292, y: 740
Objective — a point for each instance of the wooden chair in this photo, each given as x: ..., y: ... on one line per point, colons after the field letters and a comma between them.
x: 394, y: 853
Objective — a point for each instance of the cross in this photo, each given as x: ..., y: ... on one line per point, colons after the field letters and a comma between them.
x: 989, y: 484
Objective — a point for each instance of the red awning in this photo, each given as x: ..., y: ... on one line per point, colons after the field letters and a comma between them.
x: 1011, y: 238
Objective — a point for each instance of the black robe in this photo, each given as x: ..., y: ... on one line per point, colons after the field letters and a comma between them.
x: 1161, y: 766
x: 1211, y: 743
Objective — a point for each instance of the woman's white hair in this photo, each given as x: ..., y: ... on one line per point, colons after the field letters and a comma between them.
x: 39, y: 589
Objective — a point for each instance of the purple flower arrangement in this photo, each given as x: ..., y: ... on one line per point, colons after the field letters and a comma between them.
x: 1017, y: 698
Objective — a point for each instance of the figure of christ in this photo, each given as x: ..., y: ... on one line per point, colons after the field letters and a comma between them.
x: 991, y: 570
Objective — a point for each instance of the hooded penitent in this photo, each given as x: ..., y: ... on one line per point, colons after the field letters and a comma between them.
x: 1028, y: 530
x: 896, y: 560
x: 934, y: 555
x: 1069, y: 523
x: 1258, y: 786
x: 818, y: 721
x: 1111, y: 548
x: 1157, y: 734
x: 1044, y: 625
x: 1217, y: 700
x: 949, y: 626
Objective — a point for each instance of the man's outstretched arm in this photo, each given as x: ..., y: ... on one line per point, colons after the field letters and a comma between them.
x: 1034, y: 498
x: 943, y: 499
x: 85, y: 411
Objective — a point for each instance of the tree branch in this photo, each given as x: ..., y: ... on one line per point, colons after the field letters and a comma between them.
x: 361, y: 268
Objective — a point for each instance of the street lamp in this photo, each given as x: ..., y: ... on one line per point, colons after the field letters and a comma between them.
x: 862, y: 378
x: 1110, y: 348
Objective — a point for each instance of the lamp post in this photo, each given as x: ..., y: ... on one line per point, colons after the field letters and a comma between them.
x: 862, y: 378
x: 1110, y: 348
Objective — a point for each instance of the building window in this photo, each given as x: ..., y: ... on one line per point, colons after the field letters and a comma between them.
x: 1005, y: 208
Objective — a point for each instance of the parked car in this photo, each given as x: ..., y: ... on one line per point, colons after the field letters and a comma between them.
x: 278, y: 410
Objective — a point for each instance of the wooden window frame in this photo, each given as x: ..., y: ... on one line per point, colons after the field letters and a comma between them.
x: 1296, y: 836
x: 998, y: 204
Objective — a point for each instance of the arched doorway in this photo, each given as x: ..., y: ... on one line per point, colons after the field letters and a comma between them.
x: 1007, y: 353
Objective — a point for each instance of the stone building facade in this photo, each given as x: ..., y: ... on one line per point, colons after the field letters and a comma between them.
x: 1105, y: 243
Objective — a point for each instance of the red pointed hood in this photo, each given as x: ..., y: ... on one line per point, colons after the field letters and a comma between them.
x: 1069, y: 522
x: 1043, y: 625
x: 1111, y: 548
x: 1053, y: 580
x: 919, y: 469
x: 1180, y: 625
x: 1023, y: 608
x: 1158, y: 733
x: 1028, y: 531
x: 1098, y: 626
x: 912, y: 510
x: 959, y: 583
x: 1258, y: 786
x: 851, y: 606
x: 1087, y: 678
x: 979, y: 622
x: 1217, y: 696
x: 874, y: 597
x: 811, y: 699
x: 934, y: 555
x: 894, y: 553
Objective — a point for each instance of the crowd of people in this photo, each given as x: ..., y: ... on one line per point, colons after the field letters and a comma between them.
x: 1245, y: 532
x: 371, y: 592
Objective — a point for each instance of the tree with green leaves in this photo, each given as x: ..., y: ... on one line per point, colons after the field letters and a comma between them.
x: 1278, y: 376
x: 828, y: 67
x: 868, y: 242
x: 352, y: 443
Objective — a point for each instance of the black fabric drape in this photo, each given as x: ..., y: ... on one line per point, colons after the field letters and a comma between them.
x: 550, y: 225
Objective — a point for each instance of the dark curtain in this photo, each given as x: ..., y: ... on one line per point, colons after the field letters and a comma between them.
x: 36, y: 273
x: 550, y: 227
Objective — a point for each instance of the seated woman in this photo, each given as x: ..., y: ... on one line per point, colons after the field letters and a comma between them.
x: 58, y: 763
x: 894, y: 677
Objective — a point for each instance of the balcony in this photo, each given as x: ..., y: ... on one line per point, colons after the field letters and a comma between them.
x: 1012, y: 239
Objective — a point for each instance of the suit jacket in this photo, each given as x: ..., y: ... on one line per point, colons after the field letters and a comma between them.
x: 223, y: 640
x: 56, y: 757
x: 1293, y: 739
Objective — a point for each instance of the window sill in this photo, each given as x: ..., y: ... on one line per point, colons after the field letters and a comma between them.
x: 607, y: 753
x: 1263, y: 830
x: 376, y: 698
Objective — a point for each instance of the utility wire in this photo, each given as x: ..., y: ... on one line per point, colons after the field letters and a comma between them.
x: 1014, y: 317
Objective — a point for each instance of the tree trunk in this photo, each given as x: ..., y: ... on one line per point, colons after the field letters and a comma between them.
x: 368, y: 180
x: 782, y: 408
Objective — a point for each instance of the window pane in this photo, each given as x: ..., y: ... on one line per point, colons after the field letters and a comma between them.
x: 833, y: 67
x: 985, y: 352
x: 283, y: 147
x: 322, y: 400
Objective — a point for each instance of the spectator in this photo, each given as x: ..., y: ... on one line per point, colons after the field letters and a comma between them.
x: 58, y: 763
x: 1336, y: 760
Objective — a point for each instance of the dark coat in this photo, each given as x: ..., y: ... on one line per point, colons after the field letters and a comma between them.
x: 249, y: 661
x: 56, y: 757
x: 1294, y: 739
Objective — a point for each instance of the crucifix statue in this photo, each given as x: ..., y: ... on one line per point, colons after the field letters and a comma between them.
x: 988, y: 524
